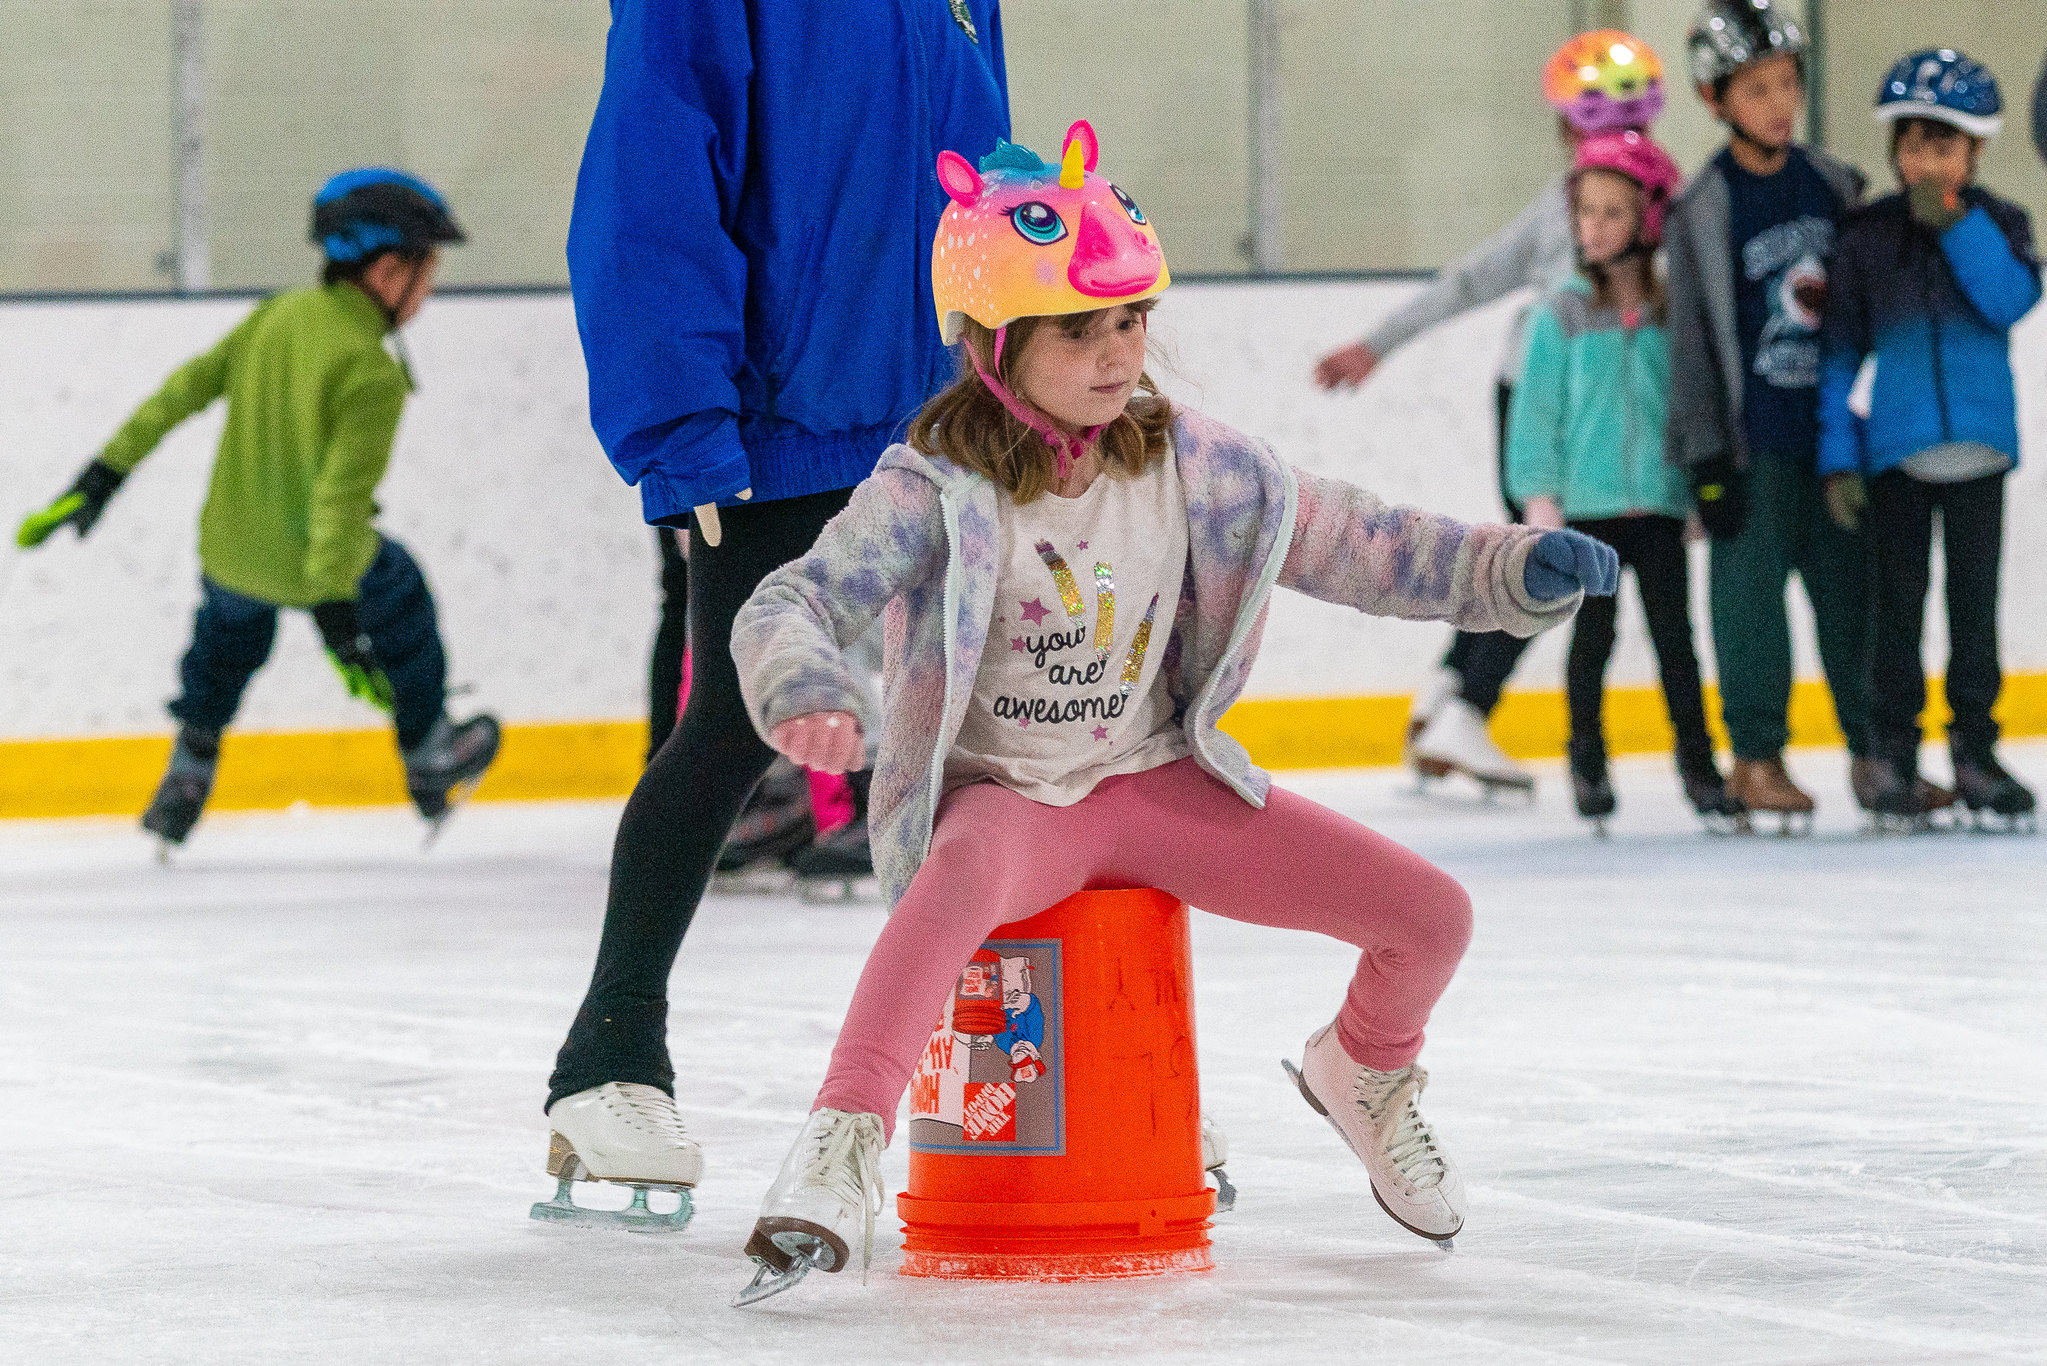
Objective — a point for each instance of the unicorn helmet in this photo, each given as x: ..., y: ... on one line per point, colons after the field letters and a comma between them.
x: 1604, y: 80
x: 1022, y: 238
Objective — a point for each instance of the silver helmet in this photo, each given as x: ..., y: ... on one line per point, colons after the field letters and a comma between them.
x: 1729, y: 34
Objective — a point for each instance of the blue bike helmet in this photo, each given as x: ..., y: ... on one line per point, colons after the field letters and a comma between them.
x: 1946, y: 86
x: 362, y: 212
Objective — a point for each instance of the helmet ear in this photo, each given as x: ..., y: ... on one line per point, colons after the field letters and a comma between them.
x: 1083, y: 133
x: 959, y: 178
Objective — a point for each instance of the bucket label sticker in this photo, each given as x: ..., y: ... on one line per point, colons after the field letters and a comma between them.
x: 992, y: 1078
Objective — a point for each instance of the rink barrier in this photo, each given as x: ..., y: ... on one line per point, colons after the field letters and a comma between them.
x: 557, y: 761
x: 1055, y: 1115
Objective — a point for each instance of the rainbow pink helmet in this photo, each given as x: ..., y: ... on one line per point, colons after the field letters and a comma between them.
x: 1636, y: 156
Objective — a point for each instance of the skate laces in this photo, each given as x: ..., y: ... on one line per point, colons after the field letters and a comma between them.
x: 648, y: 1109
x: 1389, y: 1100
x: 844, y: 1158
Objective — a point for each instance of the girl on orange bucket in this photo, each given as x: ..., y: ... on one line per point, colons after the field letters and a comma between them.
x: 1073, y: 575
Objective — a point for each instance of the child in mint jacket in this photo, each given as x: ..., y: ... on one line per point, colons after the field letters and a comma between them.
x: 1586, y: 451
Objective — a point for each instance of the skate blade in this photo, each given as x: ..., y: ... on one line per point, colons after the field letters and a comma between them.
x: 1983, y: 822
x: 457, y: 795
x: 163, y: 853
x: 638, y: 1217
x: 1441, y: 1240
x: 768, y: 881
x: 768, y: 1281
x: 1225, y: 1193
x: 1724, y: 826
x: 836, y: 891
x: 1599, y: 830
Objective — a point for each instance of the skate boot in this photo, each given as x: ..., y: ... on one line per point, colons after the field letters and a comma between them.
x: 1215, y: 1151
x: 775, y: 822
x: 1442, y: 685
x: 1870, y: 779
x: 1996, y: 800
x: 187, y: 783
x: 833, y: 867
x: 1764, y: 786
x: 1719, y: 810
x: 1591, y: 788
x: 828, y: 1191
x: 442, y: 770
x: 1455, y: 741
x: 627, y: 1132
x: 1413, y: 1179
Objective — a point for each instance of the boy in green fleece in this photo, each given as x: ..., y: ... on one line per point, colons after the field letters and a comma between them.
x: 313, y: 407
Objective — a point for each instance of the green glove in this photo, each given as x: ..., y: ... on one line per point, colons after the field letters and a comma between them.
x: 80, y: 506
x: 1937, y: 208
x: 1846, y: 498
x: 352, y: 654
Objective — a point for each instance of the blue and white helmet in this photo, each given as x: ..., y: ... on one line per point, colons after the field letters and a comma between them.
x: 1944, y: 85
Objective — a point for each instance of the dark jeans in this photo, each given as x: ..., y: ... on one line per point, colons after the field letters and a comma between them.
x: 1654, y: 547
x: 671, y: 639
x: 1485, y: 660
x: 683, y: 807
x: 232, y: 635
x: 1788, y: 529
x: 1901, y: 512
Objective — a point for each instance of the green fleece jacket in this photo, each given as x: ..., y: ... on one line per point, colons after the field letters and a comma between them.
x: 313, y: 401
x: 1587, y: 426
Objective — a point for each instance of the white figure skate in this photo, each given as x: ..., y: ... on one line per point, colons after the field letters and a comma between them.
x: 1413, y: 1179
x: 1215, y: 1150
x: 1442, y: 685
x: 625, y: 1132
x: 828, y: 1190
x: 1456, y: 741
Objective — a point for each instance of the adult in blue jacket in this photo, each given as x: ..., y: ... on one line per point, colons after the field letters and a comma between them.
x: 750, y: 259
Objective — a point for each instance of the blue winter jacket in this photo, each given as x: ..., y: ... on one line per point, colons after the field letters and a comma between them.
x: 1936, y: 311
x: 750, y: 251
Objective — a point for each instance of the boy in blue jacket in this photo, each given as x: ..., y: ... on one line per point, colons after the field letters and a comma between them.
x: 1918, y: 414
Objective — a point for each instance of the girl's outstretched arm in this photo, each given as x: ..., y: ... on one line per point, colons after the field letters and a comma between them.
x: 1350, y: 547
x: 788, y: 639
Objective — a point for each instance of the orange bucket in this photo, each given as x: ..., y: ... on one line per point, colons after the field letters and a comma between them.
x: 1055, y: 1117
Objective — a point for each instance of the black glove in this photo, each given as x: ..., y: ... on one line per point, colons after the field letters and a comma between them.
x: 1723, y: 507
x: 353, y: 656
x: 80, y: 506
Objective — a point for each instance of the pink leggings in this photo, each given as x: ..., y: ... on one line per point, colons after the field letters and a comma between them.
x: 998, y: 857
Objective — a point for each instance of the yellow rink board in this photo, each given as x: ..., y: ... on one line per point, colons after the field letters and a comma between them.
x: 115, y: 775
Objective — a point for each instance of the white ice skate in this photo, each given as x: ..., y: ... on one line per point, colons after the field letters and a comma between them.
x: 828, y: 1190
x: 625, y: 1132
x: 1442, y: 685
x: 1456, y: 741
x: 1215, y: 1150
x: 1413, y: 1179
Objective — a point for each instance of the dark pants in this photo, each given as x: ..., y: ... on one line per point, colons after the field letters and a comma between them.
x: 1654, y: 548
x: 1485, y: 660
x: 1788, y: 529
x: 232, y: 635
x: 671, y: 640
x: 1901, y: 512
x: 683, y: 807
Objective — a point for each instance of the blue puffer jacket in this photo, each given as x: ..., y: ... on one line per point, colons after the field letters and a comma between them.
x: 1937, y: 312
x: 750, y: 251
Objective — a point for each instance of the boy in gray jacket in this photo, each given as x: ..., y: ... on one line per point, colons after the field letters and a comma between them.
x: 1748, y: 242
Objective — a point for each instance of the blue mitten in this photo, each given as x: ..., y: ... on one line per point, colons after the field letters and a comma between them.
x: 1562, y: 562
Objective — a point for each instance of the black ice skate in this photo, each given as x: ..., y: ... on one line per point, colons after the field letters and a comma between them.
x: 834, y: 866
x: 1719, y: 810
x: 775, y: 823
x: 1592, y: 789
x: 187, y: 783
x: 1996, y: 800
x: 442, y: 770
x: 1896, y: 798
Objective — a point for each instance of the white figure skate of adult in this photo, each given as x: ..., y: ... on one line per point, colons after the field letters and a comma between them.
x: 628, y: 1133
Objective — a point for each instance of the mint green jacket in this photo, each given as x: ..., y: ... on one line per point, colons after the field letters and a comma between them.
x: 313, y: 401
x: 1589, y: 416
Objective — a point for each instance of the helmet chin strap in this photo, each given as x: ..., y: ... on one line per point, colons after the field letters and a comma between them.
x: 1065, y: 446
x: 1742, y: 134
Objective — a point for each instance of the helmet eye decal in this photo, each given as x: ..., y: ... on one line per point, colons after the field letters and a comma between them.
x: 1129, y: 204
x: 1037, y: 222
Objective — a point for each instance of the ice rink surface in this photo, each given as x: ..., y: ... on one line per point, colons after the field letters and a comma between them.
x: 1729, y: 1101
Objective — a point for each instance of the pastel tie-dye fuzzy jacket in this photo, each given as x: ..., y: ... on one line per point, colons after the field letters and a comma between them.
x: 916, y: 546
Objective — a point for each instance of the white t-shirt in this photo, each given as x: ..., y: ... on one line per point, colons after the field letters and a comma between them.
x: 1070, y: 690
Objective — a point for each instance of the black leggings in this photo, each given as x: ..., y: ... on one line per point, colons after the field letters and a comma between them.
x: 683, y: 807
x: 1484, y: 660
x: 1654, y: 547
x: 671, y: 638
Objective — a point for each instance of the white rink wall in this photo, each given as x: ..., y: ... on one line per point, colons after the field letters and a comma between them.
x: 546, y: 576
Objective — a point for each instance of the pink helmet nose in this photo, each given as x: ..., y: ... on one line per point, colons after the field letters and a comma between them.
x: 1110, y: 257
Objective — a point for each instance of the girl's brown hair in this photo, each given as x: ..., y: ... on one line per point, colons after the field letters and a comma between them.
x: 969, y: 426
x: 1643, y: 261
